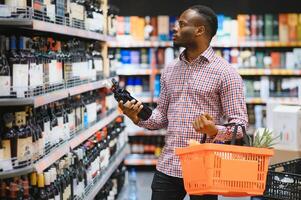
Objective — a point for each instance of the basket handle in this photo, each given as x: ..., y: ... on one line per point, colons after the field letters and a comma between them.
x: 246, y: 139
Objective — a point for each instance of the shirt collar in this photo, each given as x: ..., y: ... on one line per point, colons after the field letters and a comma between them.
x: 207, y: 55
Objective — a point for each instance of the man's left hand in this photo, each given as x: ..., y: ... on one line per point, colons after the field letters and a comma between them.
x: 205, y: 124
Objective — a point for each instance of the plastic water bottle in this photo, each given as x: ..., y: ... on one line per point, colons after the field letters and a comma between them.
x: 132, y: 185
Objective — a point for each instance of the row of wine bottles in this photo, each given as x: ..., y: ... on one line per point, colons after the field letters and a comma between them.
x: 30, y: 66
x: 147, y: 144
x: 68, y: 177
x: 28, y: 134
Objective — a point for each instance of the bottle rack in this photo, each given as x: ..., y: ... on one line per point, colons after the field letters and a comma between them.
x: 99, y: 181
x: 15, y: 18
x: 62, y: 148
x: 46, y: 96
x: 30, y: 19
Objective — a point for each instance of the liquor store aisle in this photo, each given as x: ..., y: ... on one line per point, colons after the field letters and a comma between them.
x: 65, y: 65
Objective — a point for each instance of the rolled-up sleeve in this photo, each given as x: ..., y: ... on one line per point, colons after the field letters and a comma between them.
x: 233, y: 103
x: 158, y: 118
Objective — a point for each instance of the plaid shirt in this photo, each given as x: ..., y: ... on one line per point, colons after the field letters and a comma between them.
x: 207, y: 84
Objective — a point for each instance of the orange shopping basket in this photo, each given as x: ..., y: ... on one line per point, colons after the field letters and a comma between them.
x: 227, y: 170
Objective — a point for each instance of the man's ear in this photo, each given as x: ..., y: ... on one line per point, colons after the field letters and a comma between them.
x: 200, y: 30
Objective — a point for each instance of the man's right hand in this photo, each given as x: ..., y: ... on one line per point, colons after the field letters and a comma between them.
x: 131, y: 109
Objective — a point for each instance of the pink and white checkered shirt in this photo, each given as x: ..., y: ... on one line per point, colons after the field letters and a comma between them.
x: 207, y: 84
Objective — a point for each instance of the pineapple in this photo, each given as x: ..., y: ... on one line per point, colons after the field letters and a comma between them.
x: 263, y: 139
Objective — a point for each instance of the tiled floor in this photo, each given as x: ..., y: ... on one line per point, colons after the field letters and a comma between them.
x: 144, y: 180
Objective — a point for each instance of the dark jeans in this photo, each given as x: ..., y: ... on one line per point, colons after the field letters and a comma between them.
x: 166, y: 187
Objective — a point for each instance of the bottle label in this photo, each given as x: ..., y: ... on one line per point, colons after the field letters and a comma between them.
x: 47, y: 132
x: 98, y: 65
x: 71, y: 118
x: 20, y: 79
x: 91, y: 111
x: 24, y: 151
x: 41, y: 144
x: 6, y: 163
x: 4, y: 85
x: 78, y: 119
x: 35, y: 74
x: 55, y: 135
x: 60, y: 129
x: 75, y: 186
x: 66, y: 131
x: 57, y: 197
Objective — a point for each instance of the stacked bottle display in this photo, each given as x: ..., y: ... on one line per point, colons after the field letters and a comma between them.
x: 82, y: 14
x: 28, y: 134
x: 147, y: 144
x: 68, y: 177
x: 31, y: 66
x: 112, y: 188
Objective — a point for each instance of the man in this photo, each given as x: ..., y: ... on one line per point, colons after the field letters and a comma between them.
x: 197, y: 91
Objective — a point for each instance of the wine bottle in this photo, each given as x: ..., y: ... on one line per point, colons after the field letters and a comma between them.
x: 24, y: 135
x: 42, y: 192
x: 5, y: 72
x: 9, y: 142
x: 3, y: 187
x: 48, y: 189
x: 34, y: 191
x: 25, y: 186
x: 55, y: 185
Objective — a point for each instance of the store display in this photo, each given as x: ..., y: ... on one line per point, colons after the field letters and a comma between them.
x: 112, y: 188
x: 41, y: 65
x: 69, y: 176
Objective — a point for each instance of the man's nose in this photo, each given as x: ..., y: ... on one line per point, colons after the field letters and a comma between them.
x: 175, y: 29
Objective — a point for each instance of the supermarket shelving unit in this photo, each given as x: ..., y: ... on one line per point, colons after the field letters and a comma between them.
x: 26, y: 20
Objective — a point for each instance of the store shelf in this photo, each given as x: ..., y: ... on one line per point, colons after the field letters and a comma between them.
x: 65, y: 30
x: 255, y: 100
x: 89, y: 86
x: 289, y: 100
x: 99, y: 181
x: 85, y: 134
x: 226, y: 44
x: 276, y: 72
x: 54, y: 96
x: 148, y: 133
x: 16, y: 172
x: 53, y: 156
x: 136, y: 44
x: 264, y: 44
x: 62, y: 149
x: 28, y: 18
x: 130, y: 70
x: 141, y: 160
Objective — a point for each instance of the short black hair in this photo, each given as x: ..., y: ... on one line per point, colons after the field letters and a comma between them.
x: 209, y: 16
